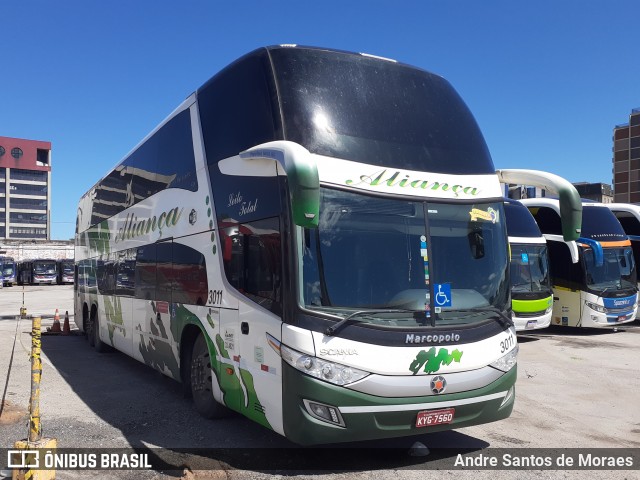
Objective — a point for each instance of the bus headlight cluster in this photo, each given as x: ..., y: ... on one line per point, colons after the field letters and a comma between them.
x: 597, y: 308
x: 506, y: 362
x: 324, y: 370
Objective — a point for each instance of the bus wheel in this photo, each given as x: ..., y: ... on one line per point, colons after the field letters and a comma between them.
x: 97, y: 342
x: 200, y: 378
x: 90, y: 328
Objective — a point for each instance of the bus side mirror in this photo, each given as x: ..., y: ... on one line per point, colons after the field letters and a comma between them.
x: 570, y: 202
x: 295, y: 162
x: 476, y: 244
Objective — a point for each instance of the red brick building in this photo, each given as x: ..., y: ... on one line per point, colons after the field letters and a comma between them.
x: 25, y: 189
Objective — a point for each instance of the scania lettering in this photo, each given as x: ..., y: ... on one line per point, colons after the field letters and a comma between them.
x: 594, y: 279
x: 311, y: 239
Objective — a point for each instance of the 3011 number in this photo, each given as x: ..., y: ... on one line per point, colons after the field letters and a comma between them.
x: 507, y: 343
x: 215, y: 297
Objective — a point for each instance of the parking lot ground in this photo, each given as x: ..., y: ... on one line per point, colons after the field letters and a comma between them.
x: 576, y: 389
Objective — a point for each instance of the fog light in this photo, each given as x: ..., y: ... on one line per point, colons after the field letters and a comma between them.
x: 508, y: 396
x: 326, y: 413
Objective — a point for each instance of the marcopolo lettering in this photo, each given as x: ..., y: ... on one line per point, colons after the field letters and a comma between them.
x: 449, y: 337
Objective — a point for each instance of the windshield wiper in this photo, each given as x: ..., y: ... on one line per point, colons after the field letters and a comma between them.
x: 505, y: 320
x: 348, y: 319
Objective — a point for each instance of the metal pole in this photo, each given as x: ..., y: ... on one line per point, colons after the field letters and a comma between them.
x: 35, y: 431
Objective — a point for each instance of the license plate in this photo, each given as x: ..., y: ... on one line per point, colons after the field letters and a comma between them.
x: 429, y: 418
x: 531, y: 324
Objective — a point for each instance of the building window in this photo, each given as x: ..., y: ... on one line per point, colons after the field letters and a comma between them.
x: 2, y: 150
x: 42, y: 157
x: 16, y: 153
x: 29, y: 175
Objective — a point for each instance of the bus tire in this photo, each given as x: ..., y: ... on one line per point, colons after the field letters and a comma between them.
x: 90, y: 327
x: 99, y: 345
x: 200, y: 380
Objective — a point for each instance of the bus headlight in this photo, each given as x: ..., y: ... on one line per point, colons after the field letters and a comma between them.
x: 597, y: 308
x: 324, y: 370
x: 506, y: 362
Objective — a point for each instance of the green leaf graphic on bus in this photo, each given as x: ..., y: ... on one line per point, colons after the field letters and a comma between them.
x: 432, y: 362
x: 113, y: 311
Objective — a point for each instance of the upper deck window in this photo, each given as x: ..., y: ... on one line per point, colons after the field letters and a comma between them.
x: 377, y: 112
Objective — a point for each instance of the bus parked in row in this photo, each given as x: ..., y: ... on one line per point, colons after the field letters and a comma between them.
x: 8, y: 270
x: 64, y: 271
x: 629, y: 217
x: 531, y: 293
x: 315, y: 239
x: 37, y: 272
x: 594, y: 280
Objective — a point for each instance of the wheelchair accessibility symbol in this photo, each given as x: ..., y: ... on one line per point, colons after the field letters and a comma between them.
x: 442, y: 294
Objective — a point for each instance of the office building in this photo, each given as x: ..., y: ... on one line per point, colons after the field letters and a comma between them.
x: 25, y: 189
x: 626, y: 160
x: 599, y: 192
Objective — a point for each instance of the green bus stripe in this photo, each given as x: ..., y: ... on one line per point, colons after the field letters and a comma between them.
x: 530, y: 306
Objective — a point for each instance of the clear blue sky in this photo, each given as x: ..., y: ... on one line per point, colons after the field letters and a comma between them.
x: 547, y: 80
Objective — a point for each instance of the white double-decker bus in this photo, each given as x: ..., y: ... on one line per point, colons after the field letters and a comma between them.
x: 315, y: 239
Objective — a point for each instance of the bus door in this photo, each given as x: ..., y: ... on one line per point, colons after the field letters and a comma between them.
x: 253, y: 265
x: 566, y: 279
x: 567, y: 307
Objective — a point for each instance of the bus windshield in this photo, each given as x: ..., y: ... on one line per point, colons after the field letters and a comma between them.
x: 390, y: 255
x: 617, y: 272
x: 529, y: 272
x: 44, y: 267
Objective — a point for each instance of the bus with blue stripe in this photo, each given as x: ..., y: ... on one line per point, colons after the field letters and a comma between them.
x: 629, y: 217
x: 594, y: 278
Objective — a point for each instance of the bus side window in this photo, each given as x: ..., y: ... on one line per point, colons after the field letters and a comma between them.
x: 106, y: 275
x: 126, y: 273
x: 164, y: 271
x: 548, y: 220
x: 564, y: 272
x: 190, y: 276
x: 145, y: 272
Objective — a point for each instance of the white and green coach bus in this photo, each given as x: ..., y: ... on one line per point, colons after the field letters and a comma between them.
x: 531, y: 292
x: 314, y: 239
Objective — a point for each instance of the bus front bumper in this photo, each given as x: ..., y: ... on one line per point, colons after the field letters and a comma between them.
x: 367, y: 417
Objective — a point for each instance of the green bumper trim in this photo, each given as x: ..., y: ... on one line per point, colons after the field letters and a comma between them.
x: 368, y: 417
x: 531, y: 306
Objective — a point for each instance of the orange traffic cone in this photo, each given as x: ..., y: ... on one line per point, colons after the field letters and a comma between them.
x: 55, y: 328
x: 66, y: 330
